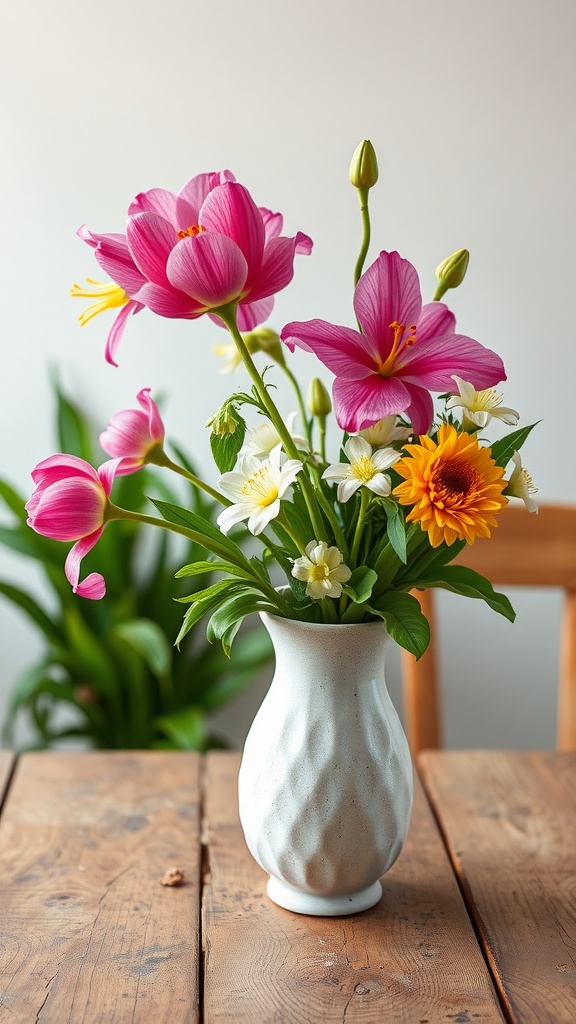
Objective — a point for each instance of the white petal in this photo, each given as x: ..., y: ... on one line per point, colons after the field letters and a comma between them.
x: 380, y: 484
x: 357, y: 448
x: 301, y: 568
x: 232, y: 515
x: 338, y: 471
x: 259, y: 520
x: 341, y: 574
x: 509, y: 416
x: 288, y: 474
x: 347, y: 488
x: 332, y: 558
x: 385, y: 457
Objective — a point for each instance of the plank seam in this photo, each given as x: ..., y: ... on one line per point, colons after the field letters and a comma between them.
x: 8, y: 783
x: 204, y: 880
x: 468, y: 900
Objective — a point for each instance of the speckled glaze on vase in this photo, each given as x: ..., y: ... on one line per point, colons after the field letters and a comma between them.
x: 325, y: 785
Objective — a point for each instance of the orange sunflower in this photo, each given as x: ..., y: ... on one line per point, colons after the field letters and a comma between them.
x: 455, y: 487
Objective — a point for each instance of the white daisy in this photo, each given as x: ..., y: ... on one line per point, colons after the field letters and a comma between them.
x: 256, y: 489
x: 364, y: 469
x: 322, y: 569
x: 520, y: 485
x: 384, y: 431
x: 480, y: 406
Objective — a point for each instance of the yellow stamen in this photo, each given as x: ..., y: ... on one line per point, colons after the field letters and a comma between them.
x: 110, y: 296
x: 319, y: 572
x: 363, y: 469
x: 190, y: 232
x: 260, y: 488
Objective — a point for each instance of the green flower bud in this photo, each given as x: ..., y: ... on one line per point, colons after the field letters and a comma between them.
x: 451, y: 272
x: 364, y: 166
x: 264, y: 339
x: 318, y: 398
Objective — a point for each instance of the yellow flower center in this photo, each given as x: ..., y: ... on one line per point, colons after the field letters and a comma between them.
x: 319, y: 572
x: 364, y: 469
x: 190, y: 232
x: 260, y: 488
x: 398, y: 345
x: 108, y: 294
x: 485, y: 400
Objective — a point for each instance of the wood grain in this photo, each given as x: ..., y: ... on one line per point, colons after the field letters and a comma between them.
x: 510, y: 824
x: 6, y: 766
x: 87, y: 933
x: 412, y: 959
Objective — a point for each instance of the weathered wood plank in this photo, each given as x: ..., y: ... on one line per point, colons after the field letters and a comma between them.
x: 413, y: 958
x: 6, y: 766
x: 87, y: 933
x: 510, y: 824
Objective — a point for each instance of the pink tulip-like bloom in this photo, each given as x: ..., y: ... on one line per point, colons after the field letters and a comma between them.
x: 133, y: 433
x: 70, y: 503
x: 405, y: 350
x: 186, y: 254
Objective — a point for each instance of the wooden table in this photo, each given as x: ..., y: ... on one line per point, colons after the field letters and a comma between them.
x: 477, y: 924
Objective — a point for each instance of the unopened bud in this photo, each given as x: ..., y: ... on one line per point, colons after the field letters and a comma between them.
x: 318, y: 398
x: 225, y: 421
x: 451, y: 272
x: 364, y: 166
x: 264, y: 339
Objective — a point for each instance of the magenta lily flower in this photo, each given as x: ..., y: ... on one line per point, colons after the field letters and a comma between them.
x: 184, y: 255
x: 69, y: 503
x: 133, y: 433
x: 405, y: 350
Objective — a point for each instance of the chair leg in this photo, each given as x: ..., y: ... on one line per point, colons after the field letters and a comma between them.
x: 421, y: 690
x: 566, y: 728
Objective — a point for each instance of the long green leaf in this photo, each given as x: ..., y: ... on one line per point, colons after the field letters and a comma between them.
x: 14, y: 501
x: 503, y: 450
x: 467, y: 582
x: 149, y: 641
x: 185, y: 728
x: 404, y: 621
x: 33, y: 610
x: 206, y: 534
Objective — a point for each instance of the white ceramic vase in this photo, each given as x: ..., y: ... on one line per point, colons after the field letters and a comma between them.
x: 325, y: 784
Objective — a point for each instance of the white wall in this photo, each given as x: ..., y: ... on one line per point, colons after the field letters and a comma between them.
x: 471, y: 109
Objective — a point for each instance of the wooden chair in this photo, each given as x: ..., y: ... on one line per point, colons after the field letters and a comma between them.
x: 525, y: 550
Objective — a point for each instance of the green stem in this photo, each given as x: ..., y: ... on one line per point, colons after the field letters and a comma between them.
x: 322, y: 434
x: 300, y: 400
x: 365, y: 499
x: 158, y: 457
x: 363, y: 197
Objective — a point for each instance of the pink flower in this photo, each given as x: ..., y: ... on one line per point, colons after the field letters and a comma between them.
x: 184, y: 255
x: 70, y: 503
x: 133, y: 433
x: 405, y: 350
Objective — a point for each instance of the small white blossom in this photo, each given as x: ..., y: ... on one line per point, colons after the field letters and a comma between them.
x: 480, y: 406
x: 260, y: 440
x: 520, y: 485
x: 364, y: 469
x: 230, y: 353
x: 256, y: 489
x: 322, y: 569
x: 384, y: 432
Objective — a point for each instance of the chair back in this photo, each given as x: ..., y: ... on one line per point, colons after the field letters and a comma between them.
x: 525, y: 550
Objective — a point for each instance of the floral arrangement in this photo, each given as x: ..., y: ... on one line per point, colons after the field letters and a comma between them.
x: 353, y: 534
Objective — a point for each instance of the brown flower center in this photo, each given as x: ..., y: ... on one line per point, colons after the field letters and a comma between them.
x: 456, y: 478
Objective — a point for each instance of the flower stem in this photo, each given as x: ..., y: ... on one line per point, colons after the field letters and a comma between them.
x: 158, y: 457
x: 365, y: 498
x: 363, y: 197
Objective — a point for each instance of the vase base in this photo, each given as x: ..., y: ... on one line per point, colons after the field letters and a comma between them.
x: 286, y: 896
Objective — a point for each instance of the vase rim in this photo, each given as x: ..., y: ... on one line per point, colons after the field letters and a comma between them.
x: 379, y: 623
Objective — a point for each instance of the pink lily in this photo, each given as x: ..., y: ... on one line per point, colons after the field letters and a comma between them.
x: 405, y: 350
x: 133, y: 433
x: 70, y: 503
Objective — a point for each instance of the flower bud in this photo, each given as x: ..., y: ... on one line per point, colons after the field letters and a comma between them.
x: 451, y: 272
x: 225, y: 421
x: 264, y: 339
x: 318, y: 398
x: 364, y: 166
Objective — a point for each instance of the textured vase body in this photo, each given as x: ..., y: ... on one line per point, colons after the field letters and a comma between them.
x: 325, y: 784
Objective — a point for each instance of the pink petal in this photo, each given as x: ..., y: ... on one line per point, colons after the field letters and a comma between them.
x: 277, y: 268
x: 106, y: 473
x: 191, y: 197
x: 230, y: 210
x: 250, y: 314
x: 209, y: 267
x: 148, y: 405
x: 60, y: 466
x: 420, y: 412
x: 114, y: 257
x: 344, y: 351
x: 169, y: 302
x: 360, y: 403
x: 151, y: 240
x: 430, y: 363
x: 435, y: 319
x: 155, y: 200
x: 389, y: 292
x: 93, y: 587
x: 68, y: 509
x: 273, y: 223
x: 304, y: 244
x: 117, y: 330
x: 74, y: 559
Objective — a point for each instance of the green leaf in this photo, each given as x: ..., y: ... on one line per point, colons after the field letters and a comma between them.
x: 33, y: 610
x: 200, y: 608
x: 72, y: 428
x: 204, y: 595
x: 149, y: 641
x: 227, y: 437
x: 461, y: 580
x: 396, y: 529
x: 226, y: 621
x: 206, y: 534
x: 404, y: 621
x: 359, y: 586
x: 185, y: 728
x: 503, y: 450
x: 198, y: 568
x: 13, y: 500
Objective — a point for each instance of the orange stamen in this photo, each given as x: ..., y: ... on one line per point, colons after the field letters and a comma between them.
x: 191, y: 232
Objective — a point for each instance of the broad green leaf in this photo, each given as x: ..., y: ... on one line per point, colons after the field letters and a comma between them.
x: 51, y: 631
x: 149, y: 641
x: 198, y: 568
x: 72, y: 428
x: 359, y: 586
x: 396, y: 529
x: 209, y: 592
x: 227, y: 437
x: 203, y: 531
x: 404, y: 621
x: 200, y: 608
x: 185, y: 728
x: 13, y: 500
x: 226, y: 621
x: 461, y: 580
x: 503, y: 450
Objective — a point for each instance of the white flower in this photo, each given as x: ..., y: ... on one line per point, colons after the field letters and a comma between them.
x: 520, y: 485
x: 231, y: 354
x: 384, y: 431
x: 480, y: 406
x: 256, y: 488
x: 322, y: 569
x: 365, y: 469
x: 260, y: 440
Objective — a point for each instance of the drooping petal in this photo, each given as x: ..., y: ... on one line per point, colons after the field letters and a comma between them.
x: 260, y: 518
x: 359, y: 403
x: 170, y: 302
x: 209, y: 267
x: 387, y: 293
x: 75, y: 556
x: 343, y: 350
x: 117, y: 330
x: 432, y: 362
x: 230, y: 210
x: 420, y: 412
x: 114, y: 257
x: 106, y: 473
x: 435, y: 319
x: 277, y: 267
x: 251, y: 314
x: 232, y: 515
x: 93, y: 587
x: 151, y: 239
